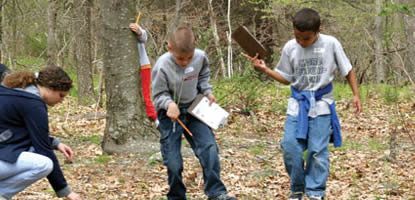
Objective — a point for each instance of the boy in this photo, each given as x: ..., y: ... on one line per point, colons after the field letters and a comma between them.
x: 308, y: 63
x: 177, y: 78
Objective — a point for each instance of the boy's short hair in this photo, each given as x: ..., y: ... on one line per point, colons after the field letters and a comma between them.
x: 306, y: 19
x: 182, y: 40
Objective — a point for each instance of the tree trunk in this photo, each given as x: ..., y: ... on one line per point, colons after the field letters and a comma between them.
x: 127, y: 127
x: 229, y: 35
x: 176, y: 19
x: 1, y: 30
x: 52, y: 48
x: 398, y: 66
x: 83, y: 53
x: 409, y: 26
x: 212, y: 16
x: 379, y: 68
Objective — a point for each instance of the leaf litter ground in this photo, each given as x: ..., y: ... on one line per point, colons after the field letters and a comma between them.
x: 251, y: 158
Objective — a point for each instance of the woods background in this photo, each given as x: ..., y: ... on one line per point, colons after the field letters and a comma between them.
x: 377, y: 35
x: 90, y: 39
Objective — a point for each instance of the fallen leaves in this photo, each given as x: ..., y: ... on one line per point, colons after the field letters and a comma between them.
x: 251, y: 158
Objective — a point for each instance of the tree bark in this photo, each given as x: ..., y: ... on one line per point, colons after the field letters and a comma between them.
x: 379, y: 66
x: 127, y: 127
x: 397, y: 63
x: 84, y: 53
x: 409, y: 26
x: 230, y: 69
x: 1, y: 29
x: 176, y: 19
x: 52, y: 48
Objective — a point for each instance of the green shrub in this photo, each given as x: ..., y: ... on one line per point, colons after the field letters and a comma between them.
x: 242, y: 90
x: 390, y: 94
x: 36, y: 45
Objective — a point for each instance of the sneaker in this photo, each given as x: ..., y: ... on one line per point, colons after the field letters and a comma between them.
x: 296, y: 196
x: 316, y: 198
x: 223, y: 197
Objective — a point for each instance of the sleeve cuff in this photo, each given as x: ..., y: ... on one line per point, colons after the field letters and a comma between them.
x: 208, y: 91
x: 284, y: 75
x: 64, y: 192
x: 55, y: 143
x: 143, y: 37
x: 166, y: 104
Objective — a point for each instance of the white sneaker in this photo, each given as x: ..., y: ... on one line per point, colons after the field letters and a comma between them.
x: 296, y: 196
x: 316, y: 198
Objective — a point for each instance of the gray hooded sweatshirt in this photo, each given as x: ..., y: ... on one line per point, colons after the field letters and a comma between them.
x: 171, y: 82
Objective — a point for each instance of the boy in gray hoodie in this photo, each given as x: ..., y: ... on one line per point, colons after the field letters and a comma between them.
x: 177, y: 78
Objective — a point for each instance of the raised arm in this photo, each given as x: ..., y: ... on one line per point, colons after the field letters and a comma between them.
x: 261, y: 66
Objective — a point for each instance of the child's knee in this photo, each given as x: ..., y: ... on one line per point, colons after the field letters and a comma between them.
x: 174, y: 166
x: 43, y: 167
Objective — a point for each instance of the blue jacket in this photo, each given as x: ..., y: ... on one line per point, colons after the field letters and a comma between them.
x: 24, y: 123
x: 303, y: 98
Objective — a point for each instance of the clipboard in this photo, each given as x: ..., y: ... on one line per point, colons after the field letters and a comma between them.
x: 248, y: 42
x: 213, y: 115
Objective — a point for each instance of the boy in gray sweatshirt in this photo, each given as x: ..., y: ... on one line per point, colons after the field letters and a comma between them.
x: 177, y: 78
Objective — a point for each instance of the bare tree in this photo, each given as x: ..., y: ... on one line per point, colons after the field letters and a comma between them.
x: 52, y: 47
x: 84, y: 52
x: 379, y: 67
x: 229, y: 33
x: 2, y: 3
x: 212, y: 16
x: 409, y: 26
x: 127, y: 126
x: 176, y: 19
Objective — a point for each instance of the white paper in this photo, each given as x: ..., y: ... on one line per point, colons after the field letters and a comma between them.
x: 213, y: 115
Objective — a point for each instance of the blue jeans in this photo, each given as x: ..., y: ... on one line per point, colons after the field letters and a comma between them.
x: 29, y: 168
x: 311, y: 179
x: 203, y: 143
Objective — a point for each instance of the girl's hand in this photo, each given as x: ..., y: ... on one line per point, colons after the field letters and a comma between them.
x: 67, y: 152
x: 73, y: 196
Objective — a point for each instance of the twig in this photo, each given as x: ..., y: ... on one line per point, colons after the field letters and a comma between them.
x: 246, y: 55
x: 21, y: 64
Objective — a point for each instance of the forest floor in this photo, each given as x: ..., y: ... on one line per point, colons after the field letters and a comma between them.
x: 251, y: 157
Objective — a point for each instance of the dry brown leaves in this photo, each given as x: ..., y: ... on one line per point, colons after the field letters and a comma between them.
x: 251, y: 158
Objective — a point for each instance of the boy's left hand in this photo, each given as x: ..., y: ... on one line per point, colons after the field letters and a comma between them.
x: 211, y: 98
x: 357, y: 104
x: 134, y: 27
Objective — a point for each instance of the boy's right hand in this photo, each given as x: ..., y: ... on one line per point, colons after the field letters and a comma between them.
x: 173, y: 111
x: 259, y: 63
x: 73, y: 196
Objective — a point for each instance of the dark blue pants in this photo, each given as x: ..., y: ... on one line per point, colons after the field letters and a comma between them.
x: 204, y: 146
